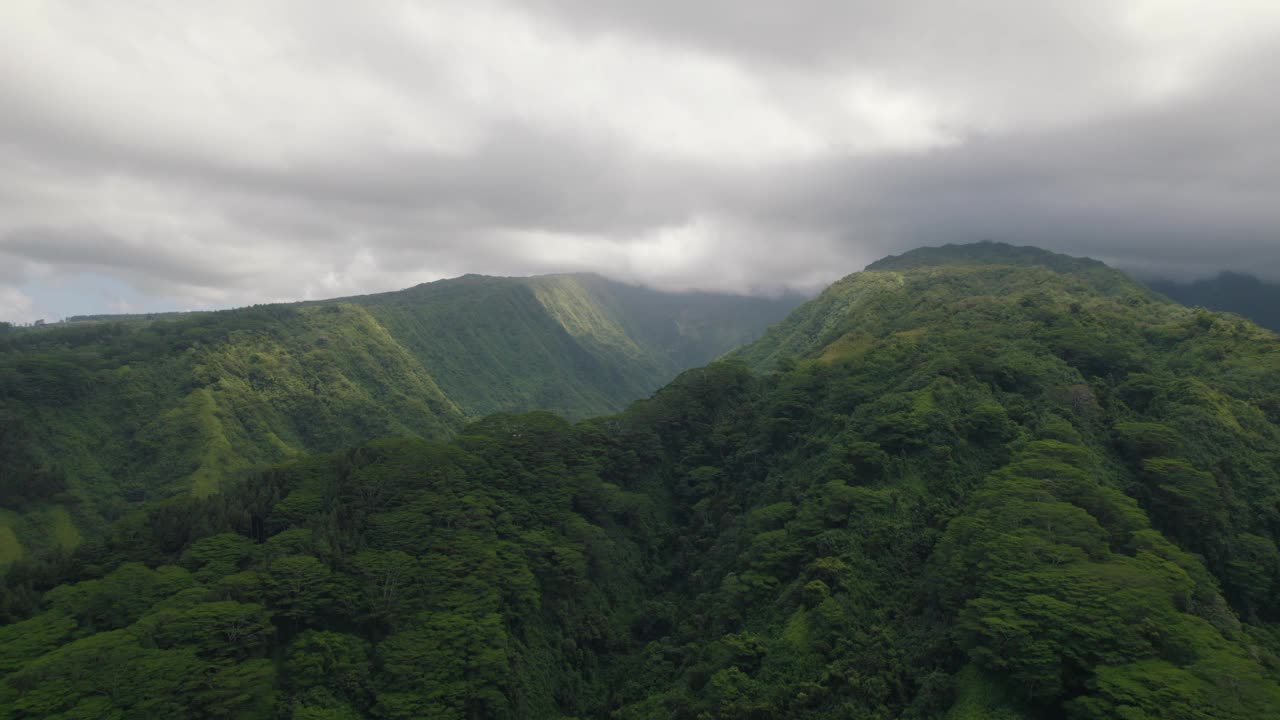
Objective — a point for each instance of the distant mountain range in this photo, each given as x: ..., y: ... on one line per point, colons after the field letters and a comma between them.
x: 1229, y: 292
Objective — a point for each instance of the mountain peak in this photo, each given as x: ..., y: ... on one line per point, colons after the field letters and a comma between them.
x: 936, y: 288
x: 986, y: 252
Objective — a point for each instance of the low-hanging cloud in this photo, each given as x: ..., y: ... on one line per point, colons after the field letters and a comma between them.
x: 213, y: 155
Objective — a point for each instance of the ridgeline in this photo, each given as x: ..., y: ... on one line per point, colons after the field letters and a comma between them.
x: 100, y: 416
x: 968, y: 482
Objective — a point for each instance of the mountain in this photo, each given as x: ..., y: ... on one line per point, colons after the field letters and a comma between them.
x: 968, y: 482
x: 99, y: 415
x: 915, y: 292
x: 1229, y: 292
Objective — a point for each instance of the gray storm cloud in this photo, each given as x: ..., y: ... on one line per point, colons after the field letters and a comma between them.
x: 221, y: 155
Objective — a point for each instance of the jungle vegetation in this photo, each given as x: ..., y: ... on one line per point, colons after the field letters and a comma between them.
x: 968, y: 482
x: 104, y: 414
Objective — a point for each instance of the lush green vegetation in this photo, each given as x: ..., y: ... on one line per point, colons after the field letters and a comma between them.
x: 1229, y: 292
x: 972, y: 482
x: 100, y: 415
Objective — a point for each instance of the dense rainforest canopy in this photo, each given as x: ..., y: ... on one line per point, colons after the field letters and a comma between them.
x: 969, y: 482
x: 105, y: 413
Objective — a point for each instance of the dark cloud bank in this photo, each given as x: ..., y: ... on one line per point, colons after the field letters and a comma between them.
x: 257, y: 151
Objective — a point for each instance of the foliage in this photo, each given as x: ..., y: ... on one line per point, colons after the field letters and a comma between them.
x: 101, y: 415
x: 954, y: 486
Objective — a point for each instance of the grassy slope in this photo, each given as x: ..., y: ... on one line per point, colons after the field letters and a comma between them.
x: 492, y: 345
x: 577, y: 345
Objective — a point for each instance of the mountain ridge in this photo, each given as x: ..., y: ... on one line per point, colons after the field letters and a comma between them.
x: 141, y: 408
x: 1235, y: 292
x: 857, y: 302
x: 969, y: 490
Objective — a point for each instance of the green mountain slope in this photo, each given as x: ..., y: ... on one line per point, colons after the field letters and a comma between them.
x: 926, y: 287
x: 100, y: 415
x: 577, y: 345
x: 972, y: 489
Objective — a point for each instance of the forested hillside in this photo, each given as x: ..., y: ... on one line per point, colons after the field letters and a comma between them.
x: 970, y: 482
x: 1229, y: 292
x: 100, y: 415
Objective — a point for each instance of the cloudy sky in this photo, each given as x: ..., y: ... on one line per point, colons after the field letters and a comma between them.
x: 181, y: 154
